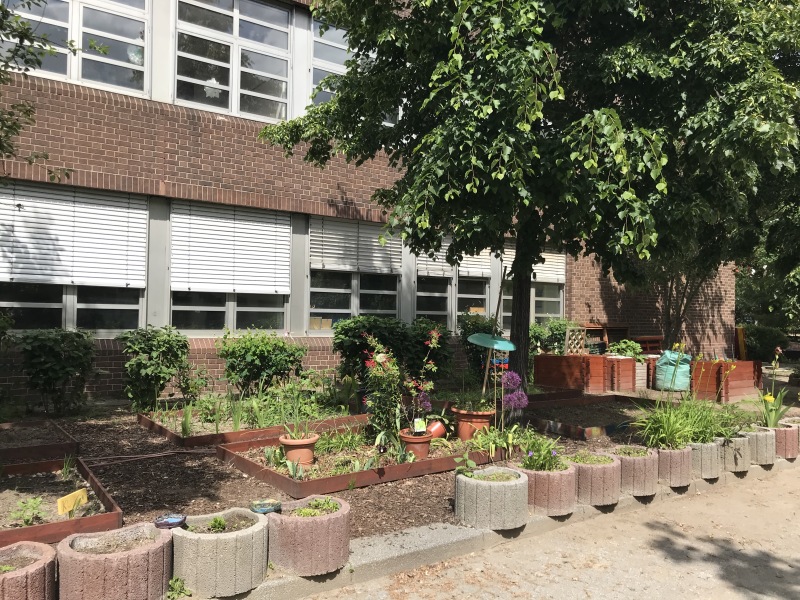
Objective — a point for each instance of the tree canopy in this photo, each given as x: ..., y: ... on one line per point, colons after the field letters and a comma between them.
x: 617, y: 128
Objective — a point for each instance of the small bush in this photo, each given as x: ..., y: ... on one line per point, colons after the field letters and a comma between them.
x: 414, y: 357
x: 470, y: 324
x: 556, y: 335
x: 57, y: 363
x: 626, y: 348
x: 157, y: 354
x: 257, y: 358
x: 761, y: 341
x: 538, y: 334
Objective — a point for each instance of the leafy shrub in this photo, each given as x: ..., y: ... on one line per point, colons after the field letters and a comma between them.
x: 540, y: 453
x: 257, y: 357
x: 57, y: 363
x: 406, y: 343
x: 556, y: 335
x: 761, y: 341
x: 665, y: 426
x: 191, y: 381
x: 157, y: 354
x: 6, y: 323
x: 470, y: 324
x: 626, y: 348
x: 538, y: 334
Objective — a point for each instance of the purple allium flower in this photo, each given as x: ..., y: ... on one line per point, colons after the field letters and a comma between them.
x: 511, y: 380
x: 424, y: 401
x: 516, y: 400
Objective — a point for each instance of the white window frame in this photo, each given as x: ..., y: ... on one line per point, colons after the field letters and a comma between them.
x: 534, y: 298
x: 448, y: 295
x: 229, y: 309
x: 324, y: 65
x: 486, y: 281
x: 75, y: 33
x: 355, y: 298
x: 236, y: 45
x: 385, y: 292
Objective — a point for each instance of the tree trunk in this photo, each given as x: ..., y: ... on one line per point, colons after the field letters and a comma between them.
x: 521, y: 317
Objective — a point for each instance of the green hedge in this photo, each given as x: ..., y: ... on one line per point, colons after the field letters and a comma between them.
x: 761, y: 341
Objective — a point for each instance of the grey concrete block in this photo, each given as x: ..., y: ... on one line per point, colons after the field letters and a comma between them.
x: 762, y: 446
x: 222, y: 564
x: 496, y: 505
x: 37, y: 581
x: 705, y: 460
x: 639, y: 474
x: 734, y: 454
x: 675, y: 467
x: 598, y: 485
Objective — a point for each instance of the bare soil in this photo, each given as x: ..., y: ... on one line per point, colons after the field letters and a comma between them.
x: 234, y: 523
x: 15, y: 435
x: 47, y: 486
x: 18, y: 561
x: 590, y: 415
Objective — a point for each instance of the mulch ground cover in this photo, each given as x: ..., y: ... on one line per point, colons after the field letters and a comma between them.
x: 18, y: 436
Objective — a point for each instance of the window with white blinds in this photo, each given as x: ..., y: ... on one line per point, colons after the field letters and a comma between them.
x: 71, y: 236
x: 229, y: 249
x: 336, y: 244
x: 552, y: 270
x: 479, y: 265
x: 435, y: 266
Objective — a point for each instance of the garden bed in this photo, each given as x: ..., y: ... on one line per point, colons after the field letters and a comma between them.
x: 41, y: 479
x: 585, y: 418
x: 248, y: 457
x: 226, y: 437
x: 34, y: 439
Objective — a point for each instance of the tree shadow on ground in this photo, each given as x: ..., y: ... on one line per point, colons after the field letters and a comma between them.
x: 752, y: 569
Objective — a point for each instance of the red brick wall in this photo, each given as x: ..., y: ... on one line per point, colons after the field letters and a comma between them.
x: 592, y: 298
x: 117, y: 142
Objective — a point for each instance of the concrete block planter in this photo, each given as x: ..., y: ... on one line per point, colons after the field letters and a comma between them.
x: 787, y: 440
x: 34, y: 575
x: 598, y: 484
x: 222, y: 564
x: 639, y: 474
x: 705, y: 461
x: 552, y: 493
x: 310, y: 546
x: 675, y: 467
x: 762, y: 446
x: 734, y: 454
x: 132, y: 563
x: 496, y: 505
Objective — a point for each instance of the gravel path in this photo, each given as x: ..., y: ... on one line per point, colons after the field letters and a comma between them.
x: 742, y: 541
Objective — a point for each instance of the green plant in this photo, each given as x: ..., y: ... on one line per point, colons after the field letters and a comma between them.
x: 274, y: 456
x: 186, y: 420
x: 177, y: 589
x: 217, y: 525
x: 156, y: 356
x: 57, y: 363
x: 191, y: 381
x: 771, y: 404
x: 383, y: 394
x: 496, y: 476
x: 492, y: 439
x: 466, y: 466
x: 325, y: 505
x: 295, y: 469
x: 330, y: 442
x: 257, y: 356
x: 556, y: 335
x: 664, y: 426
x: 469, y: 324
x: 236, y: 408
x: 29, y: 511
x: 471, y: 400
x: 540, y: 453
x: 69, y: 465
x: 537, y: 333
x: 587, y: 458
x: 6, y: 323
x: 6, y: 568
x: 627, y: 348
x: 761, y: 341
x: 631, y: 451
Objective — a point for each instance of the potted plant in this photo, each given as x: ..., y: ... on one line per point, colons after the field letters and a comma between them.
x: 310, y: 536
x: 597, y: 478
x: 473, y: 412
x: 551, y: 481
x: 297, y: 442
x: 772, y: 412
x: 221, y: 554
x: 492, y: 498
x: 638, y: 470
x: 27, y: 572
x: 416, y: 437
x: 665, y: 428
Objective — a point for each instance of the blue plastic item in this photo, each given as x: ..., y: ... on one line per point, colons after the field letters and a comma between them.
x: 673, y: 371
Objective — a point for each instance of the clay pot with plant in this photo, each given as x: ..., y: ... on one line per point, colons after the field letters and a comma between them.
x: 298, y: 441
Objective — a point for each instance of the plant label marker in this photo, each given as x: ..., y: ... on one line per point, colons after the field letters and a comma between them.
x: 419, y: 425
x: 68, y: 503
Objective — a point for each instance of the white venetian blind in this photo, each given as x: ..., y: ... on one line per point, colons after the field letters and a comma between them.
x: 336, y: 244
x: 436, y: 266
x: 66, y: 235
x: 229, y: 249
x: 479, y: 265
x: 553, y: 270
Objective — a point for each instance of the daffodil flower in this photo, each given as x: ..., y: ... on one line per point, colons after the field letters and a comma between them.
x: 769, y: 398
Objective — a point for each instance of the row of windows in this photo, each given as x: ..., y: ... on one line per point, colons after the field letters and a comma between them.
x: 230, y: 55
x: 333, y: 296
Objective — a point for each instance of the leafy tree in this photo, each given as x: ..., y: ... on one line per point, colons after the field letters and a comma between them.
x: 554, y: 123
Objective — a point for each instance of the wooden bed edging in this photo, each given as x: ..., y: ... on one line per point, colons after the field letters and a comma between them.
x: 213, y: 439
x: 51, y: 533
x: 54, y: 450
x: 227, y: 453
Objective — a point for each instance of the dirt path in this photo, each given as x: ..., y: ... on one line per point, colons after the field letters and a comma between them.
x: 740, y: 542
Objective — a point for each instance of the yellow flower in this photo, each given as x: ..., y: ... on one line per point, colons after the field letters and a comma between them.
x: 769, y: 398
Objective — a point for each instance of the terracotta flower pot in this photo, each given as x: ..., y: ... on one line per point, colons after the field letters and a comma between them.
x: 468, y: 422
x: 418, y: 445
x: 436, y: 429
x: 299, y: 451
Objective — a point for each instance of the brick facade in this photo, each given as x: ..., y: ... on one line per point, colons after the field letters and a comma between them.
x: 590, y: 297
x: 116, y: 142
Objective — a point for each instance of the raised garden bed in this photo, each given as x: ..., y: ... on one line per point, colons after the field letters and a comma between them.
x: 34, y: 439
x: 590, y: 373
x: 36, y: 476
x: 725, y: 381
x: 247, y: 456
x: 227, y: 437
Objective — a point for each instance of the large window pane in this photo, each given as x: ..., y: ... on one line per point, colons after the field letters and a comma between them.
x: 30, y: 292
x: 112, y: 74
x: 329, y: 300
x: 223, y: 4
x: 55, y: 35
x: 369, y: 302
x: 205, y: 18
x: 324, y: 321
x: 107, y: 295
x: 58, y: 10
x: 332, y: 35
x: 471, y: 287
x: 379, y: 282
x: 103, y: 318
x: 431, y: 303
x: 472, y: 305
x: 322, y: 97
x: 209, y: 95
x: 259, y: 301
x: 547, y: 290
x: 205, y: 48
x: 197, y: 69
x: 116, y: 24
x: 264, y: 85
x: 264, y: 35
x: 198, y: 319
x: 434, y: 285
x: 331, y: 280
x: 266, y: 64
x: 116, y: 50
x: 140, y: 4
x: 260, y: 320
x: 330, y: 53
x: 262, y: 106
x: 264, y: 12
x: 198, y: 299
x: 548, y: 307
x: 56, y: 63
x: 35, y: 318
